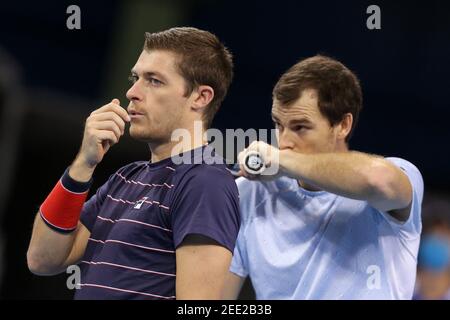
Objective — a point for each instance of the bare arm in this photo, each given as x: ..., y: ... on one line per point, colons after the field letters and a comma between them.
x: 354, y: 175
x: 350, y: 174
x: 49, y: 251
x: 202, y: 267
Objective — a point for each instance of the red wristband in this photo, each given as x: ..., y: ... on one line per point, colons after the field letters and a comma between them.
x: 62, y: 208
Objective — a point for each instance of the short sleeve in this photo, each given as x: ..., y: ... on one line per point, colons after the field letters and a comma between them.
x: 206, y: 202
x: 247, y: 193
x: 91, y: 208
x: 239, y: 263
x: 412, y: 227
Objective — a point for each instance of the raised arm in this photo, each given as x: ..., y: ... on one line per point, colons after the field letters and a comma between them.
x: 350, y: 174
x: 61, y: 240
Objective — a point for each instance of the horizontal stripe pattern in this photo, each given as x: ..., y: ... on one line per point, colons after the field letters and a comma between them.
x: 133, y: 221
x: 130, y: 244
x: 125, y: 290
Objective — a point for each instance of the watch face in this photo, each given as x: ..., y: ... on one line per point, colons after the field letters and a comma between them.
x: 254, y: 162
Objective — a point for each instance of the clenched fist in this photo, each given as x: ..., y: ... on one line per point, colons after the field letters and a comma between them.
x: 103, y: 129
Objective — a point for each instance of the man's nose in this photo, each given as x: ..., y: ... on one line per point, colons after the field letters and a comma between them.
x: 134, y: 93
x: 285, y: 139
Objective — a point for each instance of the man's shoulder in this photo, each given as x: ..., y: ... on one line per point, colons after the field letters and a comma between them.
x: 253, y: 193
x: 402, y: 163
x: 247, y: 187
x: 206, y: 174
x: 411, y: 171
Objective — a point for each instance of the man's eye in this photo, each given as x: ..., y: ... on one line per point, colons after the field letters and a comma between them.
x: 278, y: 126
x: 299, y: 128
x: 155, y: 82
x: 133, y: 78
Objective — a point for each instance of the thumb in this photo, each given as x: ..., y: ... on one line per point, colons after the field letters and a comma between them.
x: 116, y: 101
x: 106, y: 145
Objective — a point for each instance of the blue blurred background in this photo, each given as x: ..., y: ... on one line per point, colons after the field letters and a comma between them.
x: 51, y: 78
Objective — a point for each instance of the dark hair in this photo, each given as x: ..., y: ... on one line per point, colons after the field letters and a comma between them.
x: 338, y: 88
x: 203, y: 60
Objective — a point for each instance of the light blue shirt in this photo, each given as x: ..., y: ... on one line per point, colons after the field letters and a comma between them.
x: 299, y: 244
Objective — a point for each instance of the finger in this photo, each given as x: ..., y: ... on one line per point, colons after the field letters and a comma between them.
x: 241, y: 173
x: 108, y: 125
x: 120, y: 111
x: 111, y: 116
x: 254, y: 145
x: 114, y: 108
x: 106, y: 145
x: 241, y: 157
x: 244, y: 172
x: 107, y: 135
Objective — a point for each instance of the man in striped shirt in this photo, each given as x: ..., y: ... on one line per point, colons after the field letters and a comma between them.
x: 156, y: 229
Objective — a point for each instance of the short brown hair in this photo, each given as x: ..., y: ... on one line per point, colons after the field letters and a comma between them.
x: 204, y: 60
x: 338, y: 88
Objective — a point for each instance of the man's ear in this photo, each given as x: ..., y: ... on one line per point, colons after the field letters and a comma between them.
x: 345, y: 126
x: 202, y: 96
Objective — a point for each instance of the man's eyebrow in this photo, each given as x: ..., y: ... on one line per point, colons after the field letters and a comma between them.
x: 153, y: 74
x: 149, y: 74
x: 300, y: 121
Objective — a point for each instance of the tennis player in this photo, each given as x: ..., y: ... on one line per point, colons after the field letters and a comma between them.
x: 156, y: 229
x: 332, y: 223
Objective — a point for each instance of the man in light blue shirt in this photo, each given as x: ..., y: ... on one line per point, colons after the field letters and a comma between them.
x: 332, y: 223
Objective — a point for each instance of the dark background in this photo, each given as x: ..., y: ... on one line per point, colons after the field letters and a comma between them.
x: 51, y: 78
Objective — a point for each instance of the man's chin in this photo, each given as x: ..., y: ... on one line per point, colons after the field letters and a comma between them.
x: 145, y: 137
x: 140, y: 136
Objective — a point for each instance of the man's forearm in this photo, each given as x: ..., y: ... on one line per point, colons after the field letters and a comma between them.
x: 80, y: 170
x: 351, y: 174
x: 48, y: 249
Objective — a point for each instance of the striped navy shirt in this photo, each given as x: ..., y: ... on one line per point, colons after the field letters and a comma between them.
x: 141, y: 215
